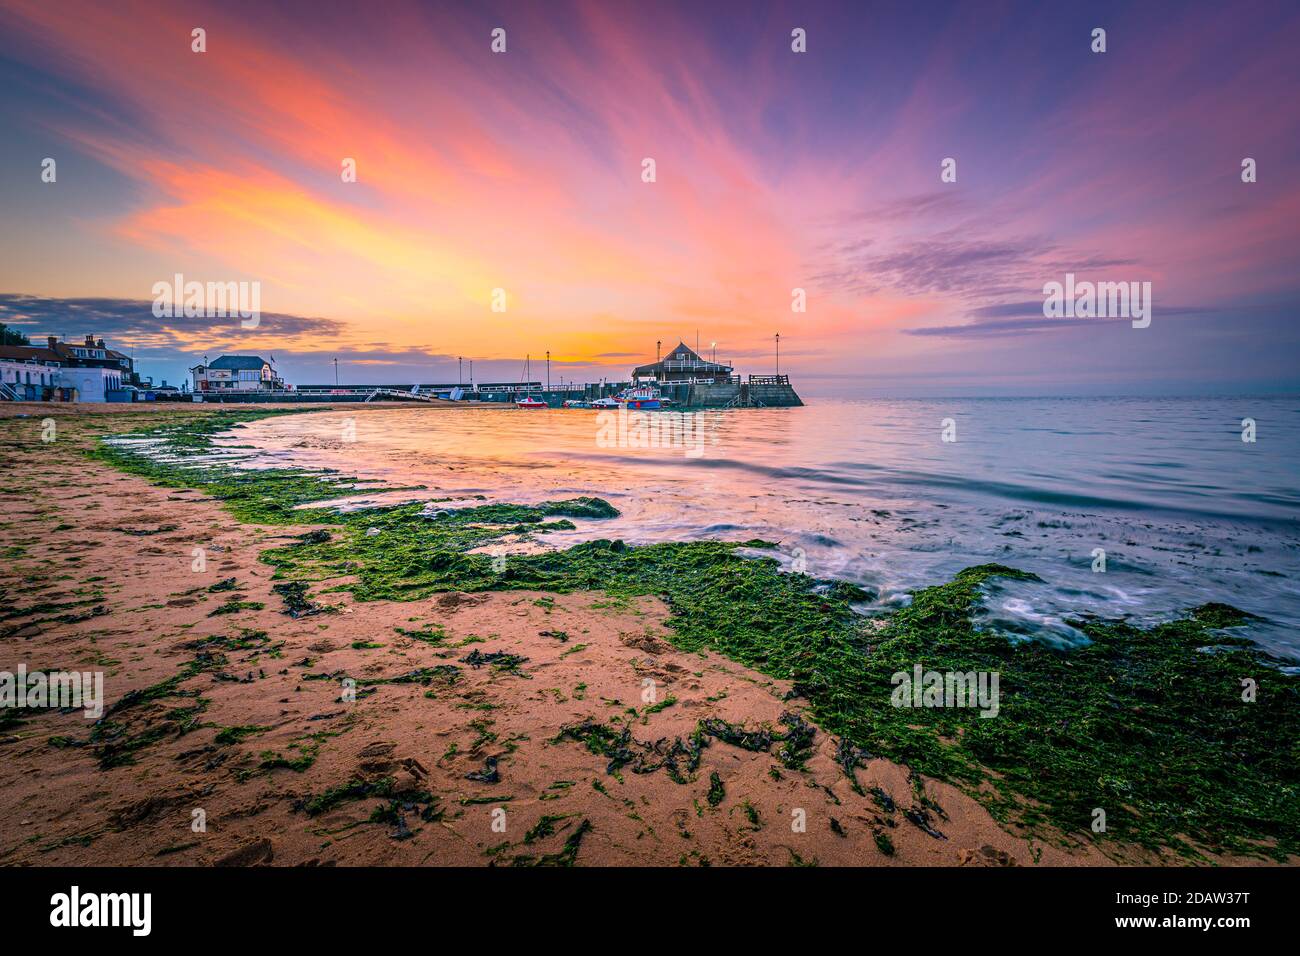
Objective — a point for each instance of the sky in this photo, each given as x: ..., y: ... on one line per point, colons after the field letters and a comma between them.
x: 775, y: 170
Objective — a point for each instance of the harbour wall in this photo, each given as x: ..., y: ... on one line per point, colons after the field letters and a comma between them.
x: 684, y: 395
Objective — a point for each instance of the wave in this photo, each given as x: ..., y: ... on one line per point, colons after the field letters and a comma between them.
x: 886, y: 476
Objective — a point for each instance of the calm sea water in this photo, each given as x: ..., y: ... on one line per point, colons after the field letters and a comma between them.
x: 868, y: 491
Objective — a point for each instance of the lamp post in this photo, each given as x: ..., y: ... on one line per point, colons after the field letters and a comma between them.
x: 778, y: 353
x: 548, y: 370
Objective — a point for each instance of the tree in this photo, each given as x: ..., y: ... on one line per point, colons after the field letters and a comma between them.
x: 10, y: 336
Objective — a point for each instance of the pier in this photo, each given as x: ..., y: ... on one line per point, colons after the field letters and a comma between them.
x: 758, y: 391
x: 683, y: 377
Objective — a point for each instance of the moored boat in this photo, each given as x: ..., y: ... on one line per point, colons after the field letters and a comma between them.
x: 528, y: 401
x: 642, y: 398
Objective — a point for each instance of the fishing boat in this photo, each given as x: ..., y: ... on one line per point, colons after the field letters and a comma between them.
x: 642, y: 398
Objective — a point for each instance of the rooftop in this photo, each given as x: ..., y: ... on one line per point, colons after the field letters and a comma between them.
x: 27, y: 353
x: 681, y: 359
x: 239, y: 363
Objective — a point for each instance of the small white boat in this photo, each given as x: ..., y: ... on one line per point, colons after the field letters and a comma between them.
x: 605, y: 403
x: 576, y: 403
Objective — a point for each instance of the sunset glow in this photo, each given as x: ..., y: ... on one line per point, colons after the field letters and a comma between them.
x: 522, y: 171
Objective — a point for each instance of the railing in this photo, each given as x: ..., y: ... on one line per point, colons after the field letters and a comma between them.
x: 526, y: 387
x: 708, y: 380
x: 394, y: 393
x: 693, y: 364
x: 769, y: 380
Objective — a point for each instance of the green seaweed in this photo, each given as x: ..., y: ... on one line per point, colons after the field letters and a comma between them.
x: 545, y: 826
x: 234, y: 735
x: 234, y: 607
x: 135, y: 723
x: 359, y: 788
x: 294, y: 595
x: 568, y: 854
x: 716, y: 790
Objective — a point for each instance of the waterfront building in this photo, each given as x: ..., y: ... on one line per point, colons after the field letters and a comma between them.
x: 86, y: 371
x: 237, y: 373
x: 26, y: 377
x: 96, y: 383
x: 683, y: 365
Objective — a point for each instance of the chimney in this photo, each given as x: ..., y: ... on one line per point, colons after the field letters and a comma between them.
x: 100, y: 343
x: 53, y: 340
x: 90, y: 341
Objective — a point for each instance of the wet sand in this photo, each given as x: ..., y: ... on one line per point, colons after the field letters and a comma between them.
x: 125, y: 548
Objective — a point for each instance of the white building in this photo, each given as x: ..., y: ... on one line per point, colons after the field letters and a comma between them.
x: 28, y: 381
x: 63, y: 372
x: 94, y: 384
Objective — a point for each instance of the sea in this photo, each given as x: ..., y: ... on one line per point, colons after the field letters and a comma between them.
x: 1127, y: 508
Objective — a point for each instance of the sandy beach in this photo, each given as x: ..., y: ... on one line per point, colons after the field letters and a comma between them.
x: 283, y: 769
